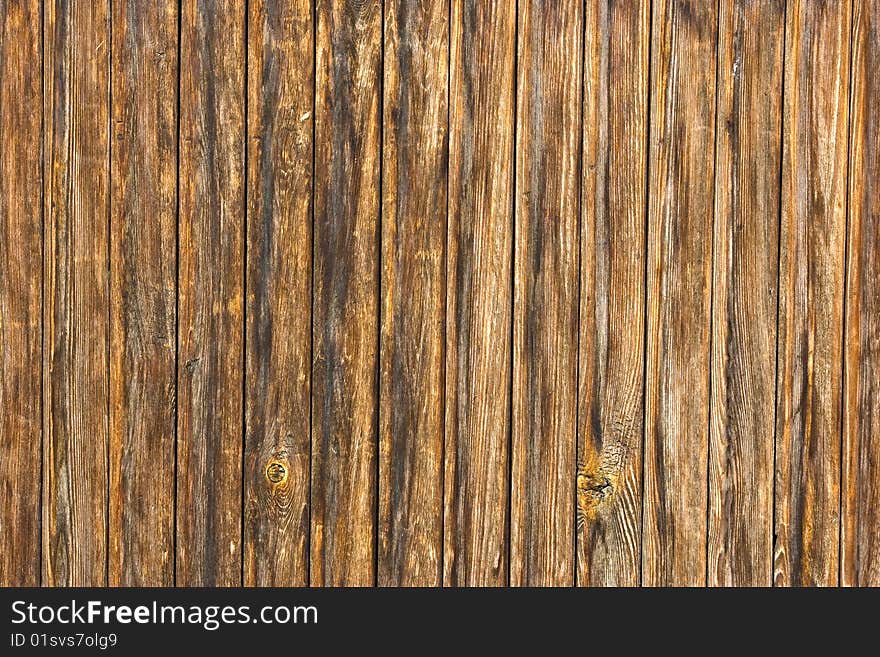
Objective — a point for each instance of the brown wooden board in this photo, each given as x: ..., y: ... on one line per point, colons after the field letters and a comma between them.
x: 745, y: 276
x: 75, y: 320
x: 211, y: 291
x: 413, y: 305
x: 811, y: 278
x: 479, y: 293
x: 612, y: 293
x: 860, y: 542
x: 680, y: 219
x: 279, y: 293
x: 345, y: 335
x: 545, y: 296
x: 143, y: 292
x: 21, y: 299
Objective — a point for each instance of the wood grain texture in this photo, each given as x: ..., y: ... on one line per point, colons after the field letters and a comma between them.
x: 860, y: 543
x: 346, y: 292
x: 143, y: 291
x: 21, y: 275
x: 811, y: 278
x: 545, y: 297
x: 211, y: 282
x: 279, y: 288
x: 479, y: 293
x: 415, y: 157
x: 75, y: 320
x: 745, y: 276
x: 684, y: 35
x: 612, y: 293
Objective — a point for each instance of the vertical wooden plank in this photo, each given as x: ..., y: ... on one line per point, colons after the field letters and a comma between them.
x: 679, y: 290
x: 479, y: 292
x: 612, y: 298
x: 415, y: 157
x: 346, y: 294
x: 279, y: 288
x: 211, y: 224
x: 811, y: 280
x: 545, y: 316
x: 745, y: 276
x: 75, y: 320
x: 21, y: 275
x: 860, y: 558
x: 143, y: 288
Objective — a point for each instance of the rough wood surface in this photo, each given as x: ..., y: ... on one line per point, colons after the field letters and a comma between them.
x: 279, y: 289
x: 21, y: 299
x: 811, y: 278
x: 415, y: 156
x: 75, y: 320
x: 143, y: 290
x: 210, y: 294
x: 439, y: 292
x: 680, y: 213
x: 745, y: 276
x: 545, y: 298
x: 860, y: 543
x: 346, y: 292
x: 612, y: 293
x: 479, y: 292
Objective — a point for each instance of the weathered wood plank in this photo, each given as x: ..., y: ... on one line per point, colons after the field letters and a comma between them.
x: 860, y: 557
x: 75, y: 319
x: 745, y: 276
x: 680, y: 212
x: 612, y: 297
x: 143, y: 289
x: 279, y: 289
x: 211, y: 282
x: 545, y: 297
x: 415, y: 157
x: 479, y: 292
x: 346, y: 292
x: 811, y: 278
x: 21, y: 275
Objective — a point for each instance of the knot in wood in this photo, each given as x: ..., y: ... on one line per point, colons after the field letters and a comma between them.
x: 276, y: 472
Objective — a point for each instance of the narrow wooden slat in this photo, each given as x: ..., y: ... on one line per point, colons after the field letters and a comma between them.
x: 21, y: 275
x: 479, y: 294
x: 860, y: 558
x: 811, y: 278
x: 75, y: 319
x: 279, y: 288
x: 143, y: 288
x: 680, y: 211
x: 415, y: 156
x: 346, y: 292
x: 745, y: 276
x: 612, y: 297
x: 545, y: 329
x: 211, y: 282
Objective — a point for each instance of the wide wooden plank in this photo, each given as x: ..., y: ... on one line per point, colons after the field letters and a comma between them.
x: 143, y: 290
x: 279, y: 288
x: 612, y: 293
x: 745, y: 276
x: 680, y: 213
x: 415, y: 156
x: 811, y: 278
x: 860, y: 543
x: 346, y: 292
x: 479, y: 292
x: 21, y: 276
x: 211, y: 291
x: 545, y: 316
x: 75, y: 320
